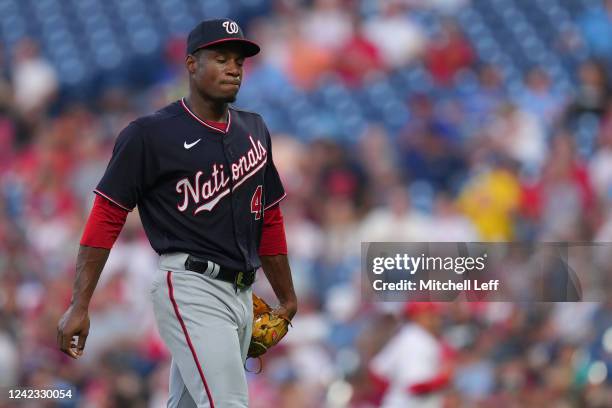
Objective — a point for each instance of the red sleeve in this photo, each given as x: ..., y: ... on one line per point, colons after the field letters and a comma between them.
x: 435, y: 384
x: 273, y: 240
x: 104, y: 224
x: 379, y: 383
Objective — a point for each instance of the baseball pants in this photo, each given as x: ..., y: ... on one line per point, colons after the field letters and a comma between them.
x: 207, y: 327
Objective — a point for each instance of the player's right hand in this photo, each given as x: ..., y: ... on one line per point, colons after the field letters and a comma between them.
x: 72, y: 331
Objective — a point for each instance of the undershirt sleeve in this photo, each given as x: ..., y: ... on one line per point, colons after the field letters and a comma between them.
x: 273, y: 240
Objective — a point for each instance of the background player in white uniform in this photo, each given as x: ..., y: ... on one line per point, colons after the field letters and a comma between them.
x: 413, y: 367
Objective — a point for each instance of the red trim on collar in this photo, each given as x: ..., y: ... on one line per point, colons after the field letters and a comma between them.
x: 219, y: 125
x: 193, y: 115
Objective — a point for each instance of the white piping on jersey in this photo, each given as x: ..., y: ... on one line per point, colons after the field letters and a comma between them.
x: 275, y: 202
x: 111, y: 200
x: 229, y: 118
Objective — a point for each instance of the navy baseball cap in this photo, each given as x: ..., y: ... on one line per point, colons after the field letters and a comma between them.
x: 211, y: 32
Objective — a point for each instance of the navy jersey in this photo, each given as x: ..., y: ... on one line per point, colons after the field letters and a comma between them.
x: 198, y: 189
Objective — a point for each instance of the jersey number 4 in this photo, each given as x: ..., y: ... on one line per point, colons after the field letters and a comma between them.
x: 256, y: 202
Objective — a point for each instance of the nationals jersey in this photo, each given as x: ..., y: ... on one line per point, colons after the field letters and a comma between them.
x: 199, y: 189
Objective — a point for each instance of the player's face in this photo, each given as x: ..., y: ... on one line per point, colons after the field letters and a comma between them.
x: 217, y: 72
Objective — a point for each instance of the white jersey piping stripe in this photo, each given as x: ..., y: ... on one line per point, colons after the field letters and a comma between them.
x: 275, y: 202
x: 229, y: 118
x: 111, y: 200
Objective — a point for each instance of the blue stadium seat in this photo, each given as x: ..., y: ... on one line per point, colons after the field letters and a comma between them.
x: 13, y: 28
x: 586, y: 134
x: 216, y: 8
x: 513, y: 34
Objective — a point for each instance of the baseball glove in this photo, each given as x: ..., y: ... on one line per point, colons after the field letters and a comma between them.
x: 268, y: 327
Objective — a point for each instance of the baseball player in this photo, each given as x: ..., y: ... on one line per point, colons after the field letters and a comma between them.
x: 414, y: 368
x: 202, y: 175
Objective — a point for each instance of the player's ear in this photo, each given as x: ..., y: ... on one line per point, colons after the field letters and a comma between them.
x: 191, y: 62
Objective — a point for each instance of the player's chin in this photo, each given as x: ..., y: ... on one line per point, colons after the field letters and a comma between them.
x: 227, y: 96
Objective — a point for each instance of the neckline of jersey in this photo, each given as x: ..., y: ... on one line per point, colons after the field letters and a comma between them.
x: 193, y: 115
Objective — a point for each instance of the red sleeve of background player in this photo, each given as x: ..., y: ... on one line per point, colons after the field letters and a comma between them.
x: 379, y: 384
x: 104, y: 224
x: 273, y: 241
x: 435, y: 384
x: 441, y: 380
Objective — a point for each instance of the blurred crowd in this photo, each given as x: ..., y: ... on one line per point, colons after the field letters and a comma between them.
x: 482, y: 163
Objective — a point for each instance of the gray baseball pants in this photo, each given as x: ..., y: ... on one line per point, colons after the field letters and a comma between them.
x: 206, y: 326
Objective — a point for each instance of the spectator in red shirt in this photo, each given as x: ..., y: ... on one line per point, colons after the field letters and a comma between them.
x: 448, y: 53
x: 358, y: 57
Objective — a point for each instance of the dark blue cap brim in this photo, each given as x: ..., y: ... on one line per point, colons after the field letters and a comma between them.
x: 249, y: 47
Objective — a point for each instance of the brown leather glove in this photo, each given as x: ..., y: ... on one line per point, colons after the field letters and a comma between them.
x: 268, y: 327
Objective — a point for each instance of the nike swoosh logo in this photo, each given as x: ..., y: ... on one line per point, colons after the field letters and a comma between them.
x: 190, y: 145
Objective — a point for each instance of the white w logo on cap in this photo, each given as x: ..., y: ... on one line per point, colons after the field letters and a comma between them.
x: 231, y: 27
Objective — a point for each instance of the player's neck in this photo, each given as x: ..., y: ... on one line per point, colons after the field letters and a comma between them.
x: 207, y: 110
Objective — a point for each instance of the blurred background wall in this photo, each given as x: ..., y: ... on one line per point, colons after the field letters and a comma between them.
x: 405, y: 120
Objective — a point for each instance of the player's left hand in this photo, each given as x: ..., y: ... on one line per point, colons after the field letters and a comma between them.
x: 269, y: 325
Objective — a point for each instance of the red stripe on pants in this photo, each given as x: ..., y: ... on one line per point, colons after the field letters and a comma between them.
x: 193, y: 352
